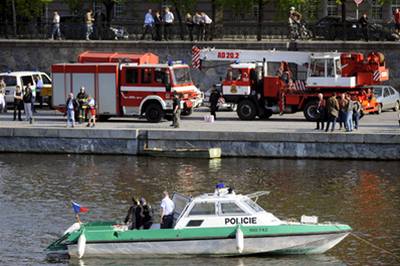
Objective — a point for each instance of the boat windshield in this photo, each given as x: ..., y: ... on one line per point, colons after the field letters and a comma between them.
x: 253, y: 205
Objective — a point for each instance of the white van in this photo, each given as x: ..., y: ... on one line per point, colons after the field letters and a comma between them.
x: 22, y: 78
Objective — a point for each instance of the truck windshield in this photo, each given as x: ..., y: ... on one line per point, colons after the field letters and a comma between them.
x: 9, y: 80
x: 182, y: 75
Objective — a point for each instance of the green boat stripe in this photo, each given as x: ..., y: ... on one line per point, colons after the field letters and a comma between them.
x: 211, y: 238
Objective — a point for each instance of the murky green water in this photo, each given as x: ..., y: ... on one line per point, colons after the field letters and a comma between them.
x: 35, y: 191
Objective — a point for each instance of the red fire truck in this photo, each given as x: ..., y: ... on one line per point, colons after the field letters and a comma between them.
x: 253, y: 82
x: 126, y: 84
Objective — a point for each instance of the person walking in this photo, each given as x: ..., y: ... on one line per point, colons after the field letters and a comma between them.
x: 92, y: 112
x: 349, y: 113
x: 82, y: 99
x: 167, y: 212
x: 176, y: 107
x: 33, y: 90
x: 56, y: 33
x: 198, y: 25
x: 71, y: 105
x: 168, y: 22
x: 27, y: 98
x: 207, y: 26
x: 157, y: 25
x: 189, y: 26
x: 18, y: 102
x: 39, y: 87
x: 214, y: 97
x: 3, y: 104
x: 321, y: 112
x: 148, y: 25
x: 89, y: 24
x: 357, y: 109
x: 363, y: 21
x: 332, y: 111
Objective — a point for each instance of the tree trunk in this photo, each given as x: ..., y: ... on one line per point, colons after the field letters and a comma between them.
x: 344, y: 19
x: 14, y: 15
x: 260, y: 19
x: 213, y: 16
x: 178, y: 15
x: 109, y: 12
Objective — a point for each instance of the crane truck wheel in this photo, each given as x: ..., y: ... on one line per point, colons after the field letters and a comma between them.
x: 396, y: 106
x: 246, y: 110
x: 154, y: 113
x: 311, y: 110
x: 187, y: 111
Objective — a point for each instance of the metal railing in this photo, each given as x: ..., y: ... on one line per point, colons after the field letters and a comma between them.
x: 228, y: 31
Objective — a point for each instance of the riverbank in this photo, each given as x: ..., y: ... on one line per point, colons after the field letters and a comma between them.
x: 288, y: 136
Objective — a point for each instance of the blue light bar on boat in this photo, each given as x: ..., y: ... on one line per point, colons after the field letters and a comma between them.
x: 220, y: 185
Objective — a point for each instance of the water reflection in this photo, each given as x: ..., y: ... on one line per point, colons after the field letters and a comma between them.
x: 35, y: 191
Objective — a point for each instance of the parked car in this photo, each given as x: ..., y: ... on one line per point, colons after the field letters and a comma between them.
x: 387, y: 97
x: 331, y: 28
x: 22, y: 78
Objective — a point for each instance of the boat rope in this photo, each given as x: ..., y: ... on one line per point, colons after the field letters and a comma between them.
x: 375, y: 246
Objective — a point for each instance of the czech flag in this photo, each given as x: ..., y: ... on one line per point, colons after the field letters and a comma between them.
x: 77, y: 208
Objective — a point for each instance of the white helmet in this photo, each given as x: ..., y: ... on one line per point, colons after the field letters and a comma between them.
x: 292, y: 8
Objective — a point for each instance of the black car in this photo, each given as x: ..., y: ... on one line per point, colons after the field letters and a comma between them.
x: 331, y: 28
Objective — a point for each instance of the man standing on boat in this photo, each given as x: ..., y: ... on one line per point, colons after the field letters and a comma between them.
x: 167, y: 212
x: 130, y: 218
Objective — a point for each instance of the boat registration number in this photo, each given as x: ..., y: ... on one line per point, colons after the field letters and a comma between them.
x: 241, y: 220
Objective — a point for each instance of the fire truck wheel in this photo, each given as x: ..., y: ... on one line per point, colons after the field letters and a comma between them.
x: 103, y: 118
x: 154, y: 113
x: 267, y: 114
x: 310, y: 110
x: 246, y: 110
x: 187, y: 111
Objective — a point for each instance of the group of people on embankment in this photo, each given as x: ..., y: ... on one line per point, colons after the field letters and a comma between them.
x: 347, y: 111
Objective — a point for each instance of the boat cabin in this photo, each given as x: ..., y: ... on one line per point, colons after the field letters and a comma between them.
x: 220, y: 209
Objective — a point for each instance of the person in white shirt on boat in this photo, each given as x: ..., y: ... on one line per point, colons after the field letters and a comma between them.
x: 167, y: 211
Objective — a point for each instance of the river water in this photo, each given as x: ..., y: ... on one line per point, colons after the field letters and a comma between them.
x: 35, y: 191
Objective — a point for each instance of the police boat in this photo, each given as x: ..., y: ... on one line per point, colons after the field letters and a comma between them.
x: 222, y: 223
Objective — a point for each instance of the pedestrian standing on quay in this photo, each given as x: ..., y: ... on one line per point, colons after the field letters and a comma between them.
x: 3, y: 104
x: 396, y: 18
x: 189, y: 26
x: 342, y: 111
x: 39, y: 87
x: 157, y: 25
x: 18, y: 102
x: 357, y: 109
x: 33, y: 90
x: 207, y: 26
x: 89, y: 24
x: 27, y: 98
x: 321, y: 112
x: 214, y: 97
x: 176, y: 106
x: 363, y: 21
x: 82, y: 99
x: 198, y: 26
x: 56, y: 26
x: 332, y: 110
x: 71, y: 105
x: 148, y: 25
x: 92, y: 112
x: 349, y: 114
x: 168, y: 22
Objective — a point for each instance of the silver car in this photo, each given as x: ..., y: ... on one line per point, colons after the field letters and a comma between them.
x: 387, y: 97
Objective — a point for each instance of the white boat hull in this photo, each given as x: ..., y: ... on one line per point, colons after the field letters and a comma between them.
x: 298, y: 244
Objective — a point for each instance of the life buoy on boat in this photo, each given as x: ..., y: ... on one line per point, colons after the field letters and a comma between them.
x: 239, y: 240
x: 81, y: 245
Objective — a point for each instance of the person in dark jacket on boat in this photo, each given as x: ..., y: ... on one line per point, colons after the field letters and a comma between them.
x: 146, y: 214
x: 130, y: 218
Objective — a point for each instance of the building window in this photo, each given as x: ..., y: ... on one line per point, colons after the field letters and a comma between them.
x: 376, y: 10
x: 395, y: 4
x: 331, y: 8
x: 118, y: 10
